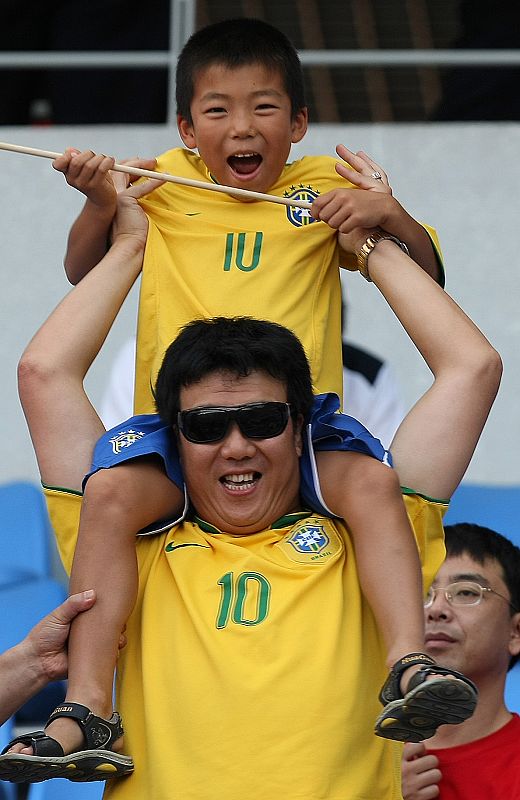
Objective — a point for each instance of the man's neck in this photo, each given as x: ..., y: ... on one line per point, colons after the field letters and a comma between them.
x: 490, y: 715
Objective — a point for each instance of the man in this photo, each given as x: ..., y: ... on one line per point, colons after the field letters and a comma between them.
x: 472, y: 618
x: 252, y: 655
x: 41, y: 657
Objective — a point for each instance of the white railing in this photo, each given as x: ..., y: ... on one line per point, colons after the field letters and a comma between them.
x: 182, y: 25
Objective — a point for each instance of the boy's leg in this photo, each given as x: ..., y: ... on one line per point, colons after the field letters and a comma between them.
x: 117, y: 503
x: 366, y: 494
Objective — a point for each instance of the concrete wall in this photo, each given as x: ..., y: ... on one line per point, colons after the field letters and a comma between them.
x: 462, y: 178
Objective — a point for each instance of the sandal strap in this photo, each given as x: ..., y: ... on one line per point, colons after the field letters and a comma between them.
x: 391, y: 688
x: 422, y: 675
x: 41, y: 744
x: 98, y: 733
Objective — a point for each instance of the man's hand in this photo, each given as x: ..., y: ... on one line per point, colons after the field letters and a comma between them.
x: 419, y: 772
x: 45, y: 644
x: 130, y: 222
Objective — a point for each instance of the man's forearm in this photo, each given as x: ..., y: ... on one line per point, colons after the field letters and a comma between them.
x: 21, y: 676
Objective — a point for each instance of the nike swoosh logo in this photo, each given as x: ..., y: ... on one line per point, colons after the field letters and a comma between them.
x: 194, y: 214
x: 172, y: 546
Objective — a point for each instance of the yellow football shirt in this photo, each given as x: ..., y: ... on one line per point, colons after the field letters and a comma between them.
x: 210, y: 254
x: 253, y: 662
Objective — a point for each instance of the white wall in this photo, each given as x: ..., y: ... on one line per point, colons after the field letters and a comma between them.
x: 463, y: 179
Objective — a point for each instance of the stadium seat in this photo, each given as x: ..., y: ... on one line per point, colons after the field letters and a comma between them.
x: 61, y: 789
x: 24, y: 533
x: 23, y: 605
x: 7, y: 790
x: 495, y: 507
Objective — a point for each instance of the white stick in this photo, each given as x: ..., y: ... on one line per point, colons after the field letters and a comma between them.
x: 165, y: 176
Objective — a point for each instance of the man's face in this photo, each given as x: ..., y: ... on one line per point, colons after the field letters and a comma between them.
x: 477, y: 640
x: 238, y: 484
x: 242, y: 125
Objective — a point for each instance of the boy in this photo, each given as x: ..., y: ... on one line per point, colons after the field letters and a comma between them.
x: 241, y: 103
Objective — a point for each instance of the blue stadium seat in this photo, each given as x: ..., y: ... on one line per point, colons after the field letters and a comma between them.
x: 495, y: 507
x: 23, y: 605
x: 7, y: 790
x: 61, y: 789
x: 24, y: 533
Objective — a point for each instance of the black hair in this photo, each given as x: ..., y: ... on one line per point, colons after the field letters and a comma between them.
x: 483, y: 544
x: 235, y: 43
x: 236, y: 345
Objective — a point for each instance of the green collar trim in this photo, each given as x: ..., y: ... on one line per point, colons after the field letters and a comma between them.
x: 282, y: 522
x: 406, y: 490
x: 61, y: 489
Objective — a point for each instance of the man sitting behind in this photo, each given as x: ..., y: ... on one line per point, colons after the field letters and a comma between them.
x: 472, y: 618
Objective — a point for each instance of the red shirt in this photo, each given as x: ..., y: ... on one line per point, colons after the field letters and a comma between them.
x: 486, y: 769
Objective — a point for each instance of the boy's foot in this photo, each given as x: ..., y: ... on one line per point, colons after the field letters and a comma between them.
x: 435, y: 696
x: 38, y: 756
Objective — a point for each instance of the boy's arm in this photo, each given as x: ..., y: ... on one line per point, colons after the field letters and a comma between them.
x: 373, y: 206
x: 435, y: 442
x: 88, y: 239
x: 64, y: 426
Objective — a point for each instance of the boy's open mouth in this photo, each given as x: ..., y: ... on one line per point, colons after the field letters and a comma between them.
x: 245, y: 163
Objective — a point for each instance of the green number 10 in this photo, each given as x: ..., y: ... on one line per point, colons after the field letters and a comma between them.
x: 250, y: 587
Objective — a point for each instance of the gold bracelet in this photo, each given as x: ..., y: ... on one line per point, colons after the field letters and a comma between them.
x: 367, y: 247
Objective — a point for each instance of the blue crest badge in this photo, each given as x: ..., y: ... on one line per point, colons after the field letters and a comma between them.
x: 309, y: 537
x: 125, y: 439
x: 300, y: 216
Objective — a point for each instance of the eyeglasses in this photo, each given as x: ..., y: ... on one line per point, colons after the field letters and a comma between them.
x: 255, y: 420
x: 462, y: 593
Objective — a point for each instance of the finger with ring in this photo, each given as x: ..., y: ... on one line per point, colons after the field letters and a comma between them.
x: 377, y: 176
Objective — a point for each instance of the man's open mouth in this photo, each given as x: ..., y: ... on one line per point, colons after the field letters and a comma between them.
x: 240, y: 482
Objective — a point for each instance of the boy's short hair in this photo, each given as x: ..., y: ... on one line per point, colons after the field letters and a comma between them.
x: 235, y: 43
x: 236, y: 345
x: 483, y: 544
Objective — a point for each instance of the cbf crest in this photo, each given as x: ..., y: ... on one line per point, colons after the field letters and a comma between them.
x: 309, y: 538
x: 125, y: 439
x: 312, y: 540
x: 300, y: 216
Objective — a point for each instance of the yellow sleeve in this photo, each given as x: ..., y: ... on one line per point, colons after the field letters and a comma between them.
x: 64, y: 507
x: 426, y: 516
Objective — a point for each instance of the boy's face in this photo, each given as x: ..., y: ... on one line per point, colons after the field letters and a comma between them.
x: 242, y: 125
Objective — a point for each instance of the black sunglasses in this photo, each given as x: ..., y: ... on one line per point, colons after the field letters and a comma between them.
x: 255, y: 420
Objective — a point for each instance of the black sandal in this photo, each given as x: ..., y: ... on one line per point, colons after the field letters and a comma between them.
x: 97, y: 763
x: 427, y: 704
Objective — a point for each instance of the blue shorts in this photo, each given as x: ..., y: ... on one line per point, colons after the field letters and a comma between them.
x: 146, y: 434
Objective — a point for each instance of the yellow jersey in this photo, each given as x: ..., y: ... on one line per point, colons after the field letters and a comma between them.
x: 254, y: 662
x: 209, y: 254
